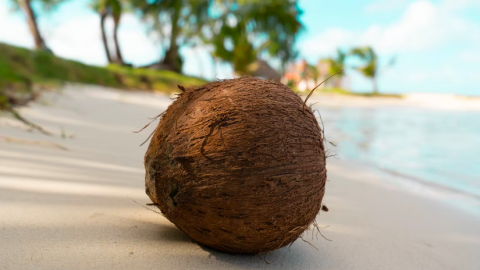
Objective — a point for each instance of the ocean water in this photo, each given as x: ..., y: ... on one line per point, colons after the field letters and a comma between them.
x: 440, y: 148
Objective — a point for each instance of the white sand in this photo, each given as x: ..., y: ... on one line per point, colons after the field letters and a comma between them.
x: 74, y: 210
x: 432, y: 101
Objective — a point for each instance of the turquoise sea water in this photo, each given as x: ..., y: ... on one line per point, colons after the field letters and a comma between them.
x: 432, y: 146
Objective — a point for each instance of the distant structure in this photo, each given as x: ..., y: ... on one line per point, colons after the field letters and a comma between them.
x: 262, y: 69
x: 303, y: 76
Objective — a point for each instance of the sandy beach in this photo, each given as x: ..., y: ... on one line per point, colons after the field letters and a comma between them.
x: 73, y: 200
x: 433, y: 101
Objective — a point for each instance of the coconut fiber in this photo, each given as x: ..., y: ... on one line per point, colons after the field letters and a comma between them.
x: 239, y: 165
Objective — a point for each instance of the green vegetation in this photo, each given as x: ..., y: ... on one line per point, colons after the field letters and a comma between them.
x: 337, y: 66
x: 370, y: 67
x: 254, y: 28
x: 185, y: 19
x: 239, y: 32
x: 342, y: 91
x: 367, y: 61
x: 21, y: 69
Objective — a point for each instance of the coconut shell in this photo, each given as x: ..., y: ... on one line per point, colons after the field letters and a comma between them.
x: 238, y: 165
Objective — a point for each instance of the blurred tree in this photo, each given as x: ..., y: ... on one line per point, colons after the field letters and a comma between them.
x: 370, y: 68
x: 112, y: 8
x: 244, y: 31
x: 337, y: 64
x: 370, y: 64
x: 26, y: 7
x: 178, y: 21
x: 311, y: 72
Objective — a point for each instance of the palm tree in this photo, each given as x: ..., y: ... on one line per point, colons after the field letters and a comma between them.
x: 102, y: 11
x: 26, y: 6
x: 252, y: 29
x: 185, y: 19
x: 112, y: 8
x: 171, y: 56
x: 370, y: 64
x: 311, y: 72
x: 116, y: 7
x: 337, y: 66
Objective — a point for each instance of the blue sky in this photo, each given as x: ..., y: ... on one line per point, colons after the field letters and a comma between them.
x: 436, y: 43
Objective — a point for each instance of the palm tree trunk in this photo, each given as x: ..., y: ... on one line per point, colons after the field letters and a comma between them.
x: 375, y: 85
x: 32, y: 24
x: 103, y: 17
x: 171, y: 57
x: 375, y: 72
x: 214, y: 67
x: 116, y: 21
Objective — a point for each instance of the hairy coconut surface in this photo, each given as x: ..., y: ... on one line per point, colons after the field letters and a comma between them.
x: 238, y: 165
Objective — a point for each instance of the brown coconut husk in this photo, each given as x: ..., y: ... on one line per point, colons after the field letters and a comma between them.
x: 239, y: 165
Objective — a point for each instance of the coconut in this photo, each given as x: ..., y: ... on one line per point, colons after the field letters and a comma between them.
x: 238, y: 165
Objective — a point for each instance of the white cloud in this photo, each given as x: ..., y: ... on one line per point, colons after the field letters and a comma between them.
x: 419, y: 29
x: 461, y: 4
x: 438, y: 47
x: 327, y: 42
x: 424, y: 26
x: 470, y: 56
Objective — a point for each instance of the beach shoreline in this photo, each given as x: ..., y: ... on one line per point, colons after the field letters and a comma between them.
x: 433, y: 101
x: 76, y: 207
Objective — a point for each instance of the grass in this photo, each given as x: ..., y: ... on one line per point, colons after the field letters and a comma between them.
x: 341, y: 91
x: 21, y: 69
